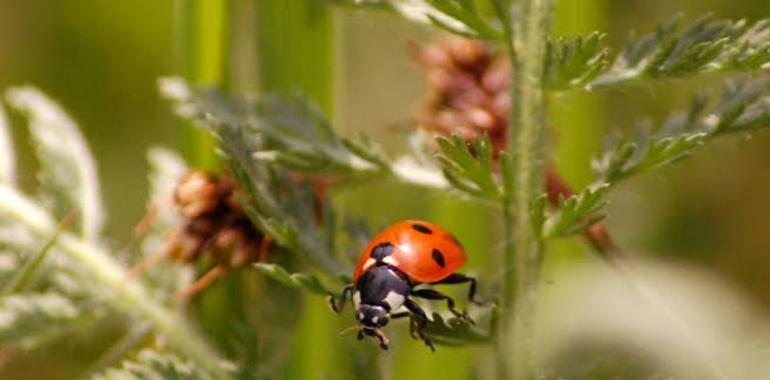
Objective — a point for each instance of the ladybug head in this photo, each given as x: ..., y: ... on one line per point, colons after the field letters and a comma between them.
x: 372, y: 316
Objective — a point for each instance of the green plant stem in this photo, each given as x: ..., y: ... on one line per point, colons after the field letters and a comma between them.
x: 129, y: 296
x: 295, y: 53
x: 203, y: 58
x: 524, y: 252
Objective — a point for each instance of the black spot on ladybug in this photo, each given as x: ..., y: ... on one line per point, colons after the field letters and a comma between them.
x: 438, y: 257
x: 382, y: 251
x: 421, y: 228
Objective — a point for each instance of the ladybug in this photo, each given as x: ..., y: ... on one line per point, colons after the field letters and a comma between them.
x: 393, y: 270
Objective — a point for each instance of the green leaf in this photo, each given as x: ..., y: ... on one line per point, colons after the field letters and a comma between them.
x: 704, y: 46
x: 7, y: 155
x: 460, y: 17
x: 575, y: 213
x: 68, y: 172
x: 454, y: 332
x: 469, y: 167
x: 29, y: 320
x: 743, y: 106
x: 279, y: 204
x: 298, y: 136
x: 151, y: 364
x: 575, y: 62
x: 295, y: 280
x: 27, y: 273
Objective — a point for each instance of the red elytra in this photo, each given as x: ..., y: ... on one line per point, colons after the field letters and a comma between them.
x: 423, y: 251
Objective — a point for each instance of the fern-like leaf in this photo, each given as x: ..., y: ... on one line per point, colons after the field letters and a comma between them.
x: 7, y: 155
x: 575, y: 62
x: 298, y: 135
x: 743, y: 106
x: 575, y: 213
x: 279, y: 204
x: 706, y: 45
x: 157, y: 365
x: 469, y: 167
x: 68, y: 172
x: 460, y: 17
x: 29, y: 320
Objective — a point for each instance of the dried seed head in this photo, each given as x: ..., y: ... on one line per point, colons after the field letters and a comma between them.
x: 197, y: 194
x: 214, y: 222
x: 468, y: 85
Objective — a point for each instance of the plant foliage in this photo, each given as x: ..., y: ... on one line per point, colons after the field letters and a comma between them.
x: 153, y: 364
x: 706, y: 45
x: 461, y: 17
x: 80, y: 282
x: 575, y: 62
x: 576, y: 213
x: 469, y: 167
x: 743, y: 106
x: 68, y: 178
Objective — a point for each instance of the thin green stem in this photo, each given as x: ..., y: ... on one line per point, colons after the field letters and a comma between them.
x: 295, y: 53
x: 203, y: 58
x: 129, y: 296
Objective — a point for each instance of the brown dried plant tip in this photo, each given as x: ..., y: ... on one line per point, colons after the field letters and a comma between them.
x: 214, y: 222
x: 468, y: 83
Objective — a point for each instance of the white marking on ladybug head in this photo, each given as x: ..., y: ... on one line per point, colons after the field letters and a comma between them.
x: 369, y: 263
x: 360, y: 315
x: 375, y: 319
x: 390, y: 260
x: 394, y: 300
x: 356, y: 299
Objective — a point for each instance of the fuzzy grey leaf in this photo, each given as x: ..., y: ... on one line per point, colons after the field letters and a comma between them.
x: 31, y: 319
x: 743, y: 106
x: 706, y: 45
x: 151, y: 364
x: 460, y: 17
x: 68, y: 171
x: 7, y: 154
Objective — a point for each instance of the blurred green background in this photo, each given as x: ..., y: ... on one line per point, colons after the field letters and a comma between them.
x: 101, y: 60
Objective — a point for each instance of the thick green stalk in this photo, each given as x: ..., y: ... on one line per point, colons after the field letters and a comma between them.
x: 295, y: 53
x: 202, y: 57
x: 524, y: 252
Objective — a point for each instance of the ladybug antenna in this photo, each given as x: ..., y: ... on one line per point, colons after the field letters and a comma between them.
x: 349, y: 330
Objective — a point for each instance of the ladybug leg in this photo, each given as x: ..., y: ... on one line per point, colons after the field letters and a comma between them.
x: 417, y: 323
x: 431, y: 294
x: 338, y: 304
x: 458, y: 278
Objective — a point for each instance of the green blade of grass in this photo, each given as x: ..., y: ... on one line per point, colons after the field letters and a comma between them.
x: 26, y: 275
